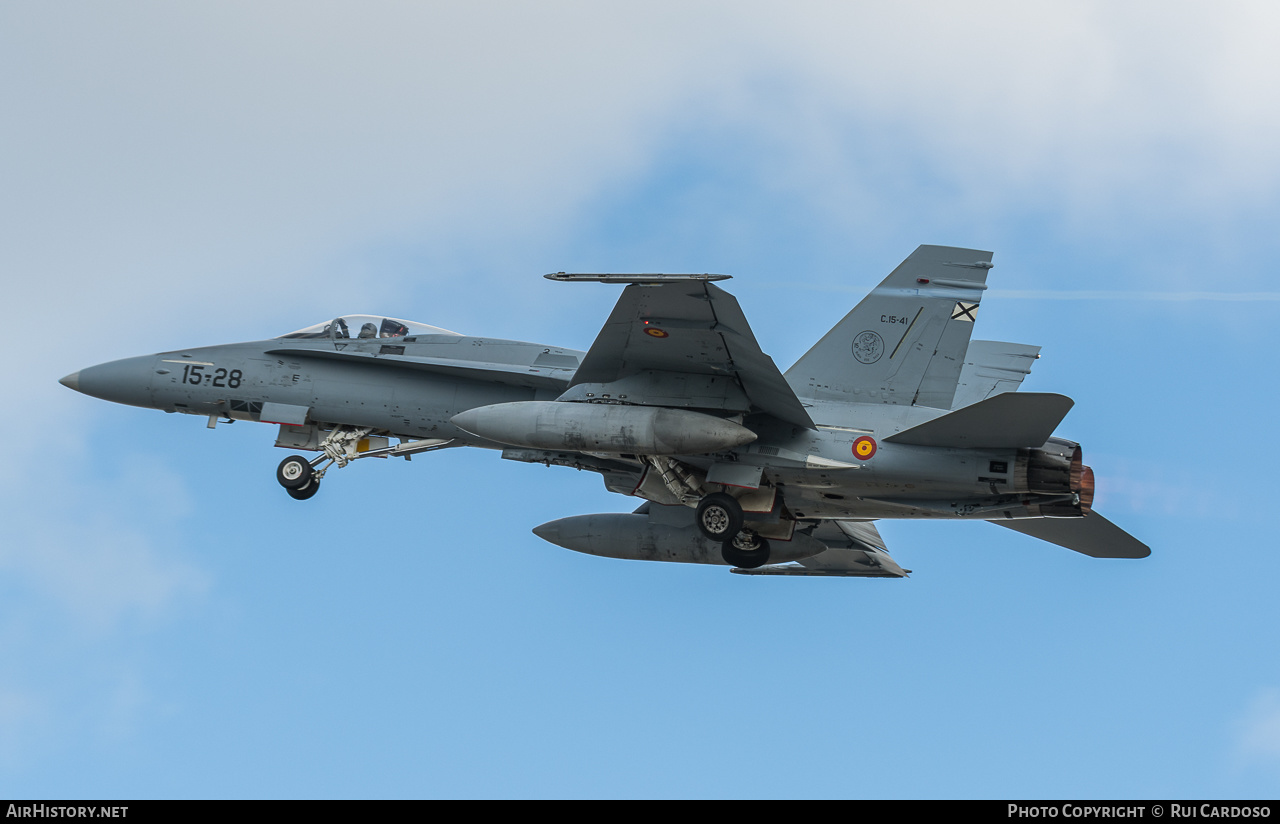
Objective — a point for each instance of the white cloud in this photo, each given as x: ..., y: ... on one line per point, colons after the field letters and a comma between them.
x: 185, y: 161
x: 1086, y: 98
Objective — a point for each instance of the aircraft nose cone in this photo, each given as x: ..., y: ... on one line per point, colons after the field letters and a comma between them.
x: 124, y: 381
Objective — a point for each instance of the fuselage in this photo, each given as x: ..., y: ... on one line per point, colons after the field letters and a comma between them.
x: 411, y: 387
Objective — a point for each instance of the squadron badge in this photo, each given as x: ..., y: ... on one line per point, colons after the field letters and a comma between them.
x: 868, y: 347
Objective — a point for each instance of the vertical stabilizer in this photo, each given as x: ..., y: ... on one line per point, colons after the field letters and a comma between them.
x: 905, y: 343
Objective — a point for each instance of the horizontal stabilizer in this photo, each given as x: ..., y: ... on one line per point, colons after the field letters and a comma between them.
x: 1008, y: 420
x: 1092, y: 535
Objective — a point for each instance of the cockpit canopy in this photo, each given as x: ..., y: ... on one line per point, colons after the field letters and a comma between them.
x: 364, y: 327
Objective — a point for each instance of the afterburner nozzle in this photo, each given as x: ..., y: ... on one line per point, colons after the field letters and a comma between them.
x: 1086, y: 488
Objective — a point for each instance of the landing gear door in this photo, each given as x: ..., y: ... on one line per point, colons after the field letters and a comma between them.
x: 299, y: 437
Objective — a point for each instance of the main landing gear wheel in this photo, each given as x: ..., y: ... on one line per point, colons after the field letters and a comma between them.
x: 301, y: 494
x: 720, y: 516
x: 294, y: 472
x: 746, y: 550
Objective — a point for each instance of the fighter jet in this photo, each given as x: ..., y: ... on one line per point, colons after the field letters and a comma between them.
x: 894, y: 413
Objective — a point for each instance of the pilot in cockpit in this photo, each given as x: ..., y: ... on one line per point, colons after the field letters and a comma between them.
x: 393, y: 329
x: 368, y: 331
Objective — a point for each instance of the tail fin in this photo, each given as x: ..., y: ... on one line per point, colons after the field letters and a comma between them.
x: 905, y: 342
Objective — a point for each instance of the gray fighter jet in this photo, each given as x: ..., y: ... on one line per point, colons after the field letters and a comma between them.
x: 895, y: 413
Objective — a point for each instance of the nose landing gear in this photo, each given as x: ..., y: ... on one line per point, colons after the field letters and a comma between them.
x: 300, y: 476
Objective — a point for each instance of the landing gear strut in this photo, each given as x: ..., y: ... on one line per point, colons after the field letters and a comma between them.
x: 301, y: 476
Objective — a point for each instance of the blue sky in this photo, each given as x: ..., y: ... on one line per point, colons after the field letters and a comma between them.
x: 173, y: 625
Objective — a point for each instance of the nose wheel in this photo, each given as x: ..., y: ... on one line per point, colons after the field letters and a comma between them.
x: 295, y: 472
x: 303, y: 492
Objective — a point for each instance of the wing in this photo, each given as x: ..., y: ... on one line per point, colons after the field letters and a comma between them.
x: 684, y: 344
x: 855, y: 550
